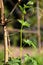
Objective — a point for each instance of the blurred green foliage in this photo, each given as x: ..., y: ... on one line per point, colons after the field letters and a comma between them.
x: 14, y: 61
x: 27, y: 60
x: 30, y: 11
x: 14, y: 39
x: 1, y: 57
x: 36, y: 60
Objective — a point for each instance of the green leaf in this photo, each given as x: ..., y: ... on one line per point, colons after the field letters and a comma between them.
x: 21, y: 8
x: 24, y: 11
x: 33, y: 45
x: 26, y: 24
x: 30, y: 3
x: 29, y: 60
x: 34, y: 62
x: 29, y: 42
x: 15, y: 60
x: 16, y: 64
x: 26, y: 57
x: 21, y: 21
x: 25, y: 6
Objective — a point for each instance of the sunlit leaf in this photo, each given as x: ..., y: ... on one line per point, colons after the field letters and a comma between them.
x: 24, y: 11
x: 21, y: 8
x: 26, y: 24
x: 29, y: 60
x: 25, y: 6
x: 21, y: 21
x: 29, y: 42
x: 30, y: 3
x: 27, y: 57
x: 34, y: 62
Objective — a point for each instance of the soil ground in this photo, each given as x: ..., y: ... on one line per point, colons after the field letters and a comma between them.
x: 15, y: 51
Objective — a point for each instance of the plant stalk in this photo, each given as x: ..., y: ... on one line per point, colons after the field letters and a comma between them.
x: 21, y: 48
x: 21, y: 43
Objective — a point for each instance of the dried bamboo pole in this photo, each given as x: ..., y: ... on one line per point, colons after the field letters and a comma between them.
x: 5, y: 33
x: 38, y: 20
x: 5, y: 45
x: 23, y: 31
x: 8, y: 44
x: 0, y: 11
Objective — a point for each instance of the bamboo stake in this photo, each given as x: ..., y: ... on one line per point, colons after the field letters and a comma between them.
x: 0, y: 11
x: 23, y: 31
x: 38, y: 20
x: 5, y: 33
x: 8, y: 43
x: 5, y: 45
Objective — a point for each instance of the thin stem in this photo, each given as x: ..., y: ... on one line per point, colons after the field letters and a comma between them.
x: 21, y: 38
x: 21, y: 43
x: 23, y: 16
